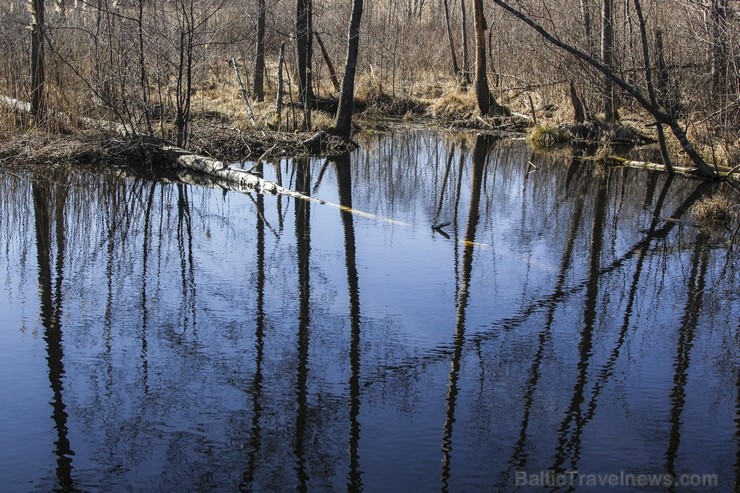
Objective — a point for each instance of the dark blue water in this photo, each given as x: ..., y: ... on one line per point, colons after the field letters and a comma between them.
x: 570, y: 326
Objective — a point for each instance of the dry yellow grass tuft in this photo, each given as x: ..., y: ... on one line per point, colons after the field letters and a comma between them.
x: 715, y: 212
x: 455, y: 103
x: 547, y: 136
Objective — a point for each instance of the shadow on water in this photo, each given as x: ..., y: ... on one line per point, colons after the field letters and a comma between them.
x: 561, y: 307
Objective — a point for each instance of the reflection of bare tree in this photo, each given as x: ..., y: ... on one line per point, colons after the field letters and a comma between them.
x: 445, y: 350
x: 255, y: 388
x: 686, y: 332
x: 144, y: 290
x: 571, y: 446
x: 303, y: 245
x: 608, y: 369
x: 519, y: 457
x: 737, y: 420
x: 344, y: 186
x: 480, y: 152
x: 187, y: 265
x: 49, y: 203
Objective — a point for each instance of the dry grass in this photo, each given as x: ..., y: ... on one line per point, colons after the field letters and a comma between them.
x: 455, y: 103
x: 715, y: 212
x: 548, y: 136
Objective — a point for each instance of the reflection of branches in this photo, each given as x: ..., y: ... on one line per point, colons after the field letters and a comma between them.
x: 585, y: 346
x: 444, y: 351
x: 185, y: 247
x: 689, y: 323
x: 519, y: 459
x: 255, y: 388
x: 50, y: 292
x: 144, y: 278
x: 479, y: 161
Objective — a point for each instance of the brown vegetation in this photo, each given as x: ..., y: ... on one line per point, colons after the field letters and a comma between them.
x: 162, y: 68
x: 715, y: 213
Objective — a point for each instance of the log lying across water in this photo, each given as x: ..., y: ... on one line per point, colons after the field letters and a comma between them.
x: 723, y: 173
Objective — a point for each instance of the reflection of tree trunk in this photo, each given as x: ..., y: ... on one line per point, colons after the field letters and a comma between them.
x: 344, y: 186
x: 607, y: 369
x: 689, y: 323
x: 50, y: 291
x: 303, y: 245
x: 523, y: 314
x: 585, y: 346
x: 480, y: 153
x: 187, y: 263
x: 144, y: 279
x: 255, y: 389
x: 444, y: 184
x: 519, y: 459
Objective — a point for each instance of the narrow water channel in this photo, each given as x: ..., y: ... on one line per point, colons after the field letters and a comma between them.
x: 562, y: 317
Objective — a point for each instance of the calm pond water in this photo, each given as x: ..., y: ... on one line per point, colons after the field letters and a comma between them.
x: 159, y: 336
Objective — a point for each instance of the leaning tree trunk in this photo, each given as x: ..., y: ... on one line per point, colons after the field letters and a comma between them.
x: 259, y: 55
x: 487, y: 104
x: 453, y: 55
x: 343, y: 124
x: 38, y: 105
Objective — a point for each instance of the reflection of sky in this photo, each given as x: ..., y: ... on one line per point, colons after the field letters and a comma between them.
x: 160, y: 351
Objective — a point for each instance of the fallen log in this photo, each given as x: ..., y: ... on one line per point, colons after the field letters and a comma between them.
x: 723, y: 173
x: 243, y: 179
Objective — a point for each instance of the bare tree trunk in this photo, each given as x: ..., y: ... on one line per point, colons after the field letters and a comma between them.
x: 38, y: 77
x: 453, y: 55
x: 259, y: 55
x: 607, y: 56
x: 280, y: 86
x: 304, y: 30
x: 718, y: 43
x: 343, y: 124
x: 651, y: 88
x: 587, y: 29
x: 579, y: 116
x: 143, y: 79
x: 466, y: 59
x: 487, y: 104
x: 329, y: 65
